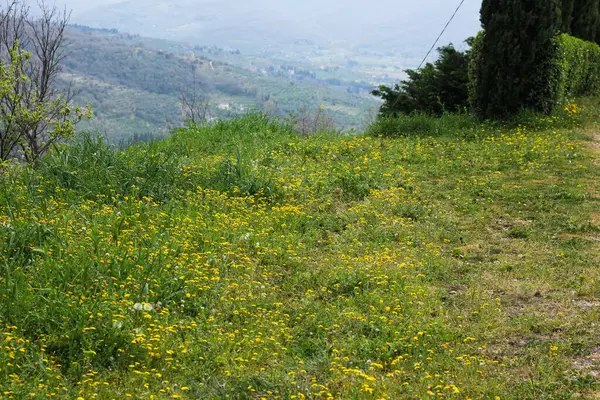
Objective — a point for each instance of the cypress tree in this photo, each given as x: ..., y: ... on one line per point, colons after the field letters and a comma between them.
x: 586, y: 19
x: 567, y: 15
x: 515, y: 50
x: 596, y: 21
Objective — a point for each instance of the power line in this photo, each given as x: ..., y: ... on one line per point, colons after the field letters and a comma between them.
x: 441, y: 33
x: 435, y: 43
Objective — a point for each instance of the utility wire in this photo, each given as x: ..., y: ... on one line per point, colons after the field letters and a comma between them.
x: 441, y: 33
x: 435, y: 43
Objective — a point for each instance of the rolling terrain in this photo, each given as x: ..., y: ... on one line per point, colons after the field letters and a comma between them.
x: 134, y: 83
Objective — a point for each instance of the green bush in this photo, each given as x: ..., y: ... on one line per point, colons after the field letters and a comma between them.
x: 436, y: 88
x: 575, y: 69
x: 569, y: 69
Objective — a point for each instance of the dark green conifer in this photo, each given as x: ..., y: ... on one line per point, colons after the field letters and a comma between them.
x: 514, y: 52
x: 567, y: 15
x: 586, y: 19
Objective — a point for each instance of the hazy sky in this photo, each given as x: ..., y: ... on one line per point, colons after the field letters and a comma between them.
x: 368, y: 22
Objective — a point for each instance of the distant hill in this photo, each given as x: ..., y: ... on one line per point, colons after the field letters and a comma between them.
x: 134, y: 83
x: 260, y: 24
x: 270, y: 55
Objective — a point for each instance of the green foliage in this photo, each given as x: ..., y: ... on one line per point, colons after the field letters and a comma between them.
x: 436, y: 88
x: 11, y: 77
x: 515, y: 52
x: 242, y: 135
x: 469, y: 127
x: 423, y: 124
x: 237, y: 178
x: 34, y: 115
x: 91, y: 168
x: 575, y: 69
x: 475, y: 69
x: 569, y: 69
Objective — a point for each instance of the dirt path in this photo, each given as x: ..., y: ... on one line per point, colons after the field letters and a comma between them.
x: 595, y: 146
x: 591, y: 362
x: 594, y: 188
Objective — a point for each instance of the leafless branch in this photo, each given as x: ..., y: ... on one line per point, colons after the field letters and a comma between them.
x: 42, y: 36
x: 196, y: 107
x: 309, y: 122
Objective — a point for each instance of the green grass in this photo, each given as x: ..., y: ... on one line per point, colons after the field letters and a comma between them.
x: 240, y: 261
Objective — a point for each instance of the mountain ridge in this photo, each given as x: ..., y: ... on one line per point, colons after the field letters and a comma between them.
x: 261, y: 23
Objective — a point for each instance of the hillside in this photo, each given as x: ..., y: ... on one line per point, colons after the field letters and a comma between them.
x: 133, y: 83
x: 241, y: 261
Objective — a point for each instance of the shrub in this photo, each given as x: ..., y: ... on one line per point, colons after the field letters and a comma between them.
x: 434, y: 89
x: 570, y: 68
x: 474, y: 72
x: 575, y: 69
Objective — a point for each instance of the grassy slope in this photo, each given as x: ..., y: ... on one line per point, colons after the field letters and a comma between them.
x: 242, y: 262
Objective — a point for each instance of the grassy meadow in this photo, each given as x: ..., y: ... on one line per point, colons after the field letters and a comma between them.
x: 425, y: 259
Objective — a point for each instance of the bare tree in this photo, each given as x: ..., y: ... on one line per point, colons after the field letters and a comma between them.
x: 309, y: 122
x: 371, y: 115
x: 34, y: 112
x: 9, y: 139
x: 196, y: 107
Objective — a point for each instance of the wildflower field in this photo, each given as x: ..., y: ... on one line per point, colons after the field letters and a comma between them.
x: 239, y: 261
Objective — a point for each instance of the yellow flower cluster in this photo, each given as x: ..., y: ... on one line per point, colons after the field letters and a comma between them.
x: 572, y: 109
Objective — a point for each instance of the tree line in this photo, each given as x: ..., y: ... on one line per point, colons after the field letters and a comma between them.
x: 580, y: 18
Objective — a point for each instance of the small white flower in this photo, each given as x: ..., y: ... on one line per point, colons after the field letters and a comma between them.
x: 117, y: 324
x: 138, y: 306
x: 148, y: 307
